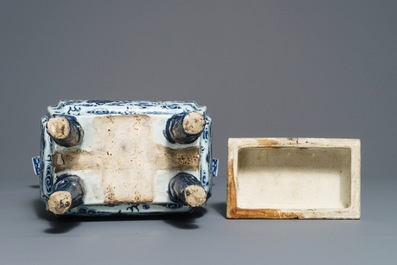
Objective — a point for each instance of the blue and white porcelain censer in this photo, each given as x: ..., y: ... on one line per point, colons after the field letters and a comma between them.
x: 125, y: 157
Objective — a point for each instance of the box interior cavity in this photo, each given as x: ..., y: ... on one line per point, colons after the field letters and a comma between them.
x: 293, y: 178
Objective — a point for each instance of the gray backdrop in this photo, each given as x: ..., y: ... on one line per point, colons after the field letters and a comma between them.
x: 263, y: 69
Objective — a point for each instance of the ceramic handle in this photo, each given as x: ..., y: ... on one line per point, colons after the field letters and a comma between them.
x: 184, y: 188
x: 68, y: 193
x: 65, y: 130
x: 184, y: 128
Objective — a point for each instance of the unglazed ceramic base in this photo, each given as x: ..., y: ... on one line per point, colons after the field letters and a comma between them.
x: 120, y: 157
x: 294, y: 178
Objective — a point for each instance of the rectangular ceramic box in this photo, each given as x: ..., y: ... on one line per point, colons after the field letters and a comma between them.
x: 294, y: 178
x: 125, y: 157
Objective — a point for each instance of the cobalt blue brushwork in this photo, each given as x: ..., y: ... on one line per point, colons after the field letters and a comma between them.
x: 102, y: 157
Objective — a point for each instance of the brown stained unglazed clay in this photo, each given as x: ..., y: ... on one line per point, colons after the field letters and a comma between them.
x: 195, y: 195
x: 58, y: 127
x: 59, y: 202
x: 124, y: 163
x: 193, y: 123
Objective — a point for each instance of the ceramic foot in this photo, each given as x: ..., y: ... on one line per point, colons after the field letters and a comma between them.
x: 60, y: 202
x: 184, y: 188
x: 64, y: 130
x: 68, y: 193
x: 185, y: 128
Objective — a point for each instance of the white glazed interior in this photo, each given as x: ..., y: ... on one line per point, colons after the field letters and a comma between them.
x: 293, y: 178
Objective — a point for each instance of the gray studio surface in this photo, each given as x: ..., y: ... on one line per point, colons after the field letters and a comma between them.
x: 263, y: 69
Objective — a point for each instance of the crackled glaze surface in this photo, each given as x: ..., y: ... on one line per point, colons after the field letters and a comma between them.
x: 124, y: 159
